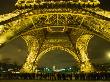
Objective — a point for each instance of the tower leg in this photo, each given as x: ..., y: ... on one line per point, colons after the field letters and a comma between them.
x: 81, y: 45
x: 86, y: 67
x: 33, y: 47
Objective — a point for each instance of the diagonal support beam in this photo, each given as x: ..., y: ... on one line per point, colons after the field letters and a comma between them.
x: 34, y: 42
x: 15, y: 30
x: 81, y: 45
x: 33, y: 46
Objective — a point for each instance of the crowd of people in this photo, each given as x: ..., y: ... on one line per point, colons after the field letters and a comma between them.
x: 56, y: 76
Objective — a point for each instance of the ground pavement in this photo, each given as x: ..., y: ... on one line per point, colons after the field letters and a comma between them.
x: 48, y: 81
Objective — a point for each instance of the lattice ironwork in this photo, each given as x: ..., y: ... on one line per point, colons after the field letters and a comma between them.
x: 81, y: 45
x: 48, y: 25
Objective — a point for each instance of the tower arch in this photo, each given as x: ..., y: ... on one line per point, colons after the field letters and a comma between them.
x: 57, y: 48
x: 57, y: 16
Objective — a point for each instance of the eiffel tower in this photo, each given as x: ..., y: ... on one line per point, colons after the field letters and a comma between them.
x: 46, y: 25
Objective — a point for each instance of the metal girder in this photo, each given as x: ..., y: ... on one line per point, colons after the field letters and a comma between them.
x: 66, y: 20
x: 96, y: 26
x: 81, y: 46
x: 33, y: 46
x: 56, y: 39
x: 56, y: 19
x: 34, y: 42
x: 32, y: 3
x: 5, y: 18
x: 15, y: 30
x: 80, y: 39
x: 36, y: 51
x: 59, y: 42
x: 82, y: 24
x: 76, y: 33
x: 98, y: 13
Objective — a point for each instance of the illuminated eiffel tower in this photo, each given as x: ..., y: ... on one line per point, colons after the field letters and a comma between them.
x: 46, y: 25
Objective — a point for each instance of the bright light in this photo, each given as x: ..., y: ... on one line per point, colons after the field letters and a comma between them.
x: 70, y: 68
x: 108, y: 54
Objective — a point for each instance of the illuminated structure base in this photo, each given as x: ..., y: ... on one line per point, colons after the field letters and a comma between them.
x: 59, y: 41
x: 49, y: 25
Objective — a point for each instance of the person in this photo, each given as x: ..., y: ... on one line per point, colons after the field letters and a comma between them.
x: 76, y: 76
x: 63, y: 76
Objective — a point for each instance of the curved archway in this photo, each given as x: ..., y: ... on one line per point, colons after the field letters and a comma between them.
x: 57, y: 48
x: 58, y: 58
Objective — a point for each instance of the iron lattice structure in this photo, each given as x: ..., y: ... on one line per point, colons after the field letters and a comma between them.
x: 47, y: 25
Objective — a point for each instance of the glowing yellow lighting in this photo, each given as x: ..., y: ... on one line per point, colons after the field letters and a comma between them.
x: 108, y: 54
x: 43, y: 22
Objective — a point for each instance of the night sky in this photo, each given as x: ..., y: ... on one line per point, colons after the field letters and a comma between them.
x: 16, y: 50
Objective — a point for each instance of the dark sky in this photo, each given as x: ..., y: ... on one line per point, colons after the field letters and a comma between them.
x: 7, y: 6
x: 16, y: 50
x: 98, y: 50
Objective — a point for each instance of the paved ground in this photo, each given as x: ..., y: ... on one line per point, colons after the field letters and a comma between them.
x: 46, y: 81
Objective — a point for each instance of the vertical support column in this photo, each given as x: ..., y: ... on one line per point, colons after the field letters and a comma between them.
x: 34, y: 40
x: 81, y: 45
x: 33, y: 47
